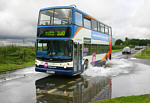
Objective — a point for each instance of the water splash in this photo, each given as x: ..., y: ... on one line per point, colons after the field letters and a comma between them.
x: 116, y: 67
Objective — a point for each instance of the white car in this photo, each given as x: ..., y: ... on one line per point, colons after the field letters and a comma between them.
x: 126, y: 50
x: 138, y: 47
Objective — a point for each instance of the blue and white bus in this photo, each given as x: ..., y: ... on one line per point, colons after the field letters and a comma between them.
x: 68, y: 40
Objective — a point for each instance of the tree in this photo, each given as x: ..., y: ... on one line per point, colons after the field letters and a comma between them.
x: 126, y: 38
x: 127, y: 41
x: 118, y: 42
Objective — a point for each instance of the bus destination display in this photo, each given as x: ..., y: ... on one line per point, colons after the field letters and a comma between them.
x: 54, y: 32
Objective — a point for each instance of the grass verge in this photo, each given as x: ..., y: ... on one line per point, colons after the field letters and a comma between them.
x: 6, y: 67
x: 145, y: 54
x: 14, y: 57
x: 129, y: 99
x: 116, y: 50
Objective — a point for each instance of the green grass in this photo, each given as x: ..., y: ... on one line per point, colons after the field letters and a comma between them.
x: 4, y: 67
x: 13, y: 57
x: 145, y: 54
x: 116, y: 50
x: 129, y: 99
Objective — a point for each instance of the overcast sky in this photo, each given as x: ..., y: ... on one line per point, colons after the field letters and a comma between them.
x: 128, y: 18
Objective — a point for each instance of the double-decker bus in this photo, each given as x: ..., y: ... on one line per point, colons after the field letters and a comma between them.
x: 68, y: 40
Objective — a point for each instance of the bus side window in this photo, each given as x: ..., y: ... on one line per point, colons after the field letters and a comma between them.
x: 78, y: 19
x: 102, y: 28
x: 94, y: 25
x: 98, y: 49
x: 89, y: 47
x: 87, y: 23
x: 106, y: 30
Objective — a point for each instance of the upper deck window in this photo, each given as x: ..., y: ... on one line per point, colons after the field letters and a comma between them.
x: 87, y: 23
x: 94, y: 25
x: 102, y: 28
x: 106, y: 30
x: 55, y: 17
x: 78, y: 19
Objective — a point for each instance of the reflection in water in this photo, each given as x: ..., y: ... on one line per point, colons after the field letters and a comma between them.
x: 58, y: 89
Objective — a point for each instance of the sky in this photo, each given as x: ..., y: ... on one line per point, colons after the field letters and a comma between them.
x: 128, y: 18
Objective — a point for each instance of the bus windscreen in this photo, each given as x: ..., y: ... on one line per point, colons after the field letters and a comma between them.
x: 55, y: 48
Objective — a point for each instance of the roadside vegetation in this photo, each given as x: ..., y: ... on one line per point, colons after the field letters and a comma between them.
x: 135, y: 42
x: 129, y: 99
x: 13, y: 57
x: 145, y: 54
x: 116, y: 48
x: 120, y: 44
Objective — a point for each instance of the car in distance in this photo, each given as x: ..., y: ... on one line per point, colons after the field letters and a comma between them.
x: 138, y: 47
x: 126, y: 50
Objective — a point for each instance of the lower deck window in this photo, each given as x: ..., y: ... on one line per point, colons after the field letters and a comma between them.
x: 56, y: 47
x: 89, y: 49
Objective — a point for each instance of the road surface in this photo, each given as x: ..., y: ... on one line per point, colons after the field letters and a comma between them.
x: 124, y: 76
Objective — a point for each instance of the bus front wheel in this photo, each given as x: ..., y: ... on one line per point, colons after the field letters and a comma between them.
x: 85, y: 64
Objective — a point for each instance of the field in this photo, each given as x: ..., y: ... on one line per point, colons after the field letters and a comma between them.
x: 13, y: 57
x: 145, y: 54
x: 129, y: 99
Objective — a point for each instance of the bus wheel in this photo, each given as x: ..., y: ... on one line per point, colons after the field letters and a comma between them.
x: 110, y: 56
x: 86, y: 65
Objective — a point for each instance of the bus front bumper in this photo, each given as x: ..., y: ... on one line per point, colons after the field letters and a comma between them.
x: 58, y: 71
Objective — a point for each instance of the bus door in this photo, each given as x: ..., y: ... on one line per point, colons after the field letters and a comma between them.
x: 80, y: 57
x: 77, y: 57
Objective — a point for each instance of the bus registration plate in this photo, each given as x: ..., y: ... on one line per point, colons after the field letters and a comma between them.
x: 51, y: 72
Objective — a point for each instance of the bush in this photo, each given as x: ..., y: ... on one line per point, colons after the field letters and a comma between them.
x: 115, y: 47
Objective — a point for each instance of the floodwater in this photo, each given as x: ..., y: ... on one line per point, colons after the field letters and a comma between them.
x: 124, y: 75
x: 28, y: 86
x: 129, y: 75
x: 56, y: 89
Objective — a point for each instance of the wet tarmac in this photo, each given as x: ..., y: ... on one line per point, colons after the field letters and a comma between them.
x: 56, y: 89
x: 36, y: 87
x: 135, y: 82
x: 126, y: 75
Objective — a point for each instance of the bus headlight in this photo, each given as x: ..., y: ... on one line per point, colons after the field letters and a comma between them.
x: 37, y: 62
x: 65, y: 66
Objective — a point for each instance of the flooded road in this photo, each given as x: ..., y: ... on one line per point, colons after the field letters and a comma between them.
x: 135, y: 82
x: 124, y: 75
x: 33, y: 87
x: 130, y: 75
x: 56, y: 89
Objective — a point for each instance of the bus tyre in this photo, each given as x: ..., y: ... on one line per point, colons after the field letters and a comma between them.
x: 110, y: 56
x: 85, y: 64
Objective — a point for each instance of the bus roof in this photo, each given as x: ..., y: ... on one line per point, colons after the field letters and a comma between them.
x: 85, y: 14
x: 57, y: 7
